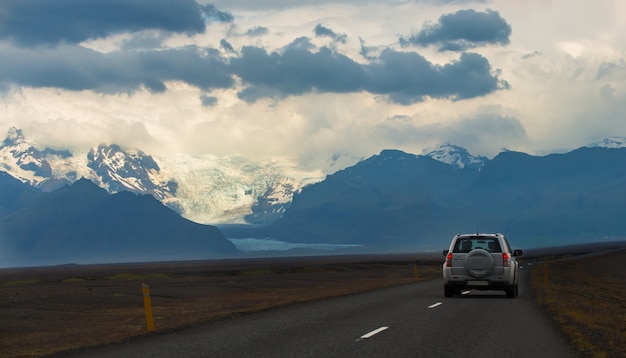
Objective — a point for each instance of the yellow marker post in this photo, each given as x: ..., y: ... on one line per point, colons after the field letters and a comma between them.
x: 415, y: 272
x: 148, y: 306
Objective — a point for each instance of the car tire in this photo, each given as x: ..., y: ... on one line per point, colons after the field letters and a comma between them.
x: 511, y: 291
x: 448, y: 291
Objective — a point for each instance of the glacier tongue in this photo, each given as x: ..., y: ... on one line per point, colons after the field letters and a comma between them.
x: 215, y: 189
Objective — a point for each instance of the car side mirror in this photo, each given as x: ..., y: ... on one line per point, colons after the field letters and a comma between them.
x: 445, y: 252
x: 517, y: 253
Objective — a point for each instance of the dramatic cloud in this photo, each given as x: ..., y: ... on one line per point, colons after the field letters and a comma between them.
x: 463, y: 30
x: 212, y: 12
x: 35, y: 22
x: 322, y: 31
x: 297, y: 71
x: 144, y: 61
x: 76, y: 68
x: 406, y: 77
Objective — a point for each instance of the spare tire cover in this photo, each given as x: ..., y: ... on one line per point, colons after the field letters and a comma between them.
x: 478, y: 263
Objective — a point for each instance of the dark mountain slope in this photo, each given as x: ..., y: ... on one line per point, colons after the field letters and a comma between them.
x: 14, y: 194
x: 83, y: 223
x: 400, y: 200
x: 375, y: 202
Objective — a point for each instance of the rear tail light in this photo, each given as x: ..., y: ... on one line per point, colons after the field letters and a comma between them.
x: 505, y: 259
x: 449, y: 260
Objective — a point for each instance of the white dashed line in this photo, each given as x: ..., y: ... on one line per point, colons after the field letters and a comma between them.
x: 465, y: 292
x: 374, y: 332
x: 435, y: 305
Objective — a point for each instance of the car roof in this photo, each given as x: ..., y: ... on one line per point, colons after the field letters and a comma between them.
x: 478, y: 235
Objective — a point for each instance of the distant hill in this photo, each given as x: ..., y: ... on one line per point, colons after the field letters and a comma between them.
x: 82, y: 223
x: 397, y: 200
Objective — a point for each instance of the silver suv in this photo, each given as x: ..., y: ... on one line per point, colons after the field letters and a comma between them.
x: 481, y: 262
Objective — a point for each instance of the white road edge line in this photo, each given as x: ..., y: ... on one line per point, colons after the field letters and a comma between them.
x: 465, y: 292
x: 435, y: 305
x: 374, y: 332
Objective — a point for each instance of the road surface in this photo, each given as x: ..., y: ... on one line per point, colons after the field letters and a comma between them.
x: 413, y: 320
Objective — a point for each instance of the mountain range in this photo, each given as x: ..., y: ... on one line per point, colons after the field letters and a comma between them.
x: 397, y: 200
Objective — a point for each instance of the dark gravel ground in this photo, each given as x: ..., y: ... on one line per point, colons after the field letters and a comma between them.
x: 53, y: 309
x: 585, y: 297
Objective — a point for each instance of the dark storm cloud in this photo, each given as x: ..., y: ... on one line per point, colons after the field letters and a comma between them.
x: 297, y: 71
x: 463, y: 30
x: 212, y: 12
x: 321, y: 31
x: 76, y: 68
x: 52, y: 22
x: 405, y: 77
x: 299, y: 68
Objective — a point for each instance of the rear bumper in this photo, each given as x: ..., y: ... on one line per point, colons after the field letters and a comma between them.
x: 491, y: 282
x: 479, y: 284
x: 502, y: 279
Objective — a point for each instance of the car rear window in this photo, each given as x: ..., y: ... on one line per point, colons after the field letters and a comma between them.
x: 464, y: 245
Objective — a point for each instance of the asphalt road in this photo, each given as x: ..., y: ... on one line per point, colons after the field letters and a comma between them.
x: 413, y: 320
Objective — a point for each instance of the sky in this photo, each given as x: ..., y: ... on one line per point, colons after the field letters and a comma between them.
x: 313, y: 80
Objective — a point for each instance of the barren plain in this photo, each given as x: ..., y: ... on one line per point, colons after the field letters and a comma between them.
x: 48, y: 310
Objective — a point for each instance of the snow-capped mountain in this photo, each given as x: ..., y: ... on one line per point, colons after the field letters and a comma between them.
x: 206, y: 189
x: 611, y: 142
x: 130, y: 170
x: 454, y: 155
x: 25, y: 162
